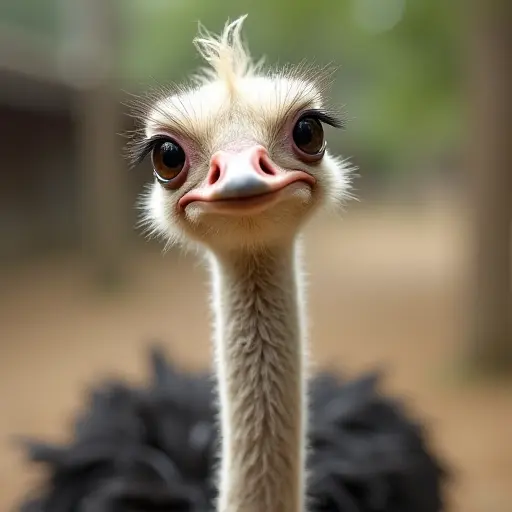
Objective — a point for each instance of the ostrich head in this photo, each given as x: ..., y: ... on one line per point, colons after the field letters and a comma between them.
x: 239, y: 155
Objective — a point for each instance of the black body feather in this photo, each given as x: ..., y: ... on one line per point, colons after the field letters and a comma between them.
x: 153, y: 450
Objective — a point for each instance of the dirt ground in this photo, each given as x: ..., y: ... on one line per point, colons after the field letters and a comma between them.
x: 386, y: 289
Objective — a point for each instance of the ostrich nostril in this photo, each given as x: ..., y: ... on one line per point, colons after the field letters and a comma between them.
x: 265, y: 167
x: 214, y: 175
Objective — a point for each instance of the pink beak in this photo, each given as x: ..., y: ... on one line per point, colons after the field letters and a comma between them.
x: 243, y: 175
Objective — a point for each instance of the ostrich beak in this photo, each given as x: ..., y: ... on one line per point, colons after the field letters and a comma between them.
x: 244, y: 178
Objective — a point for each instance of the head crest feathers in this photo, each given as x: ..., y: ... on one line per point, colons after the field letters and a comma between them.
x: 227, y: 55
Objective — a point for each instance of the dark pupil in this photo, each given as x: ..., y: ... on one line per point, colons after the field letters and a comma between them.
x: 172, y: 155
x: 308, y: 135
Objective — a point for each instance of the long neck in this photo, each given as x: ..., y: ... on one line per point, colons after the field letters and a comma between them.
x: 260, y: 369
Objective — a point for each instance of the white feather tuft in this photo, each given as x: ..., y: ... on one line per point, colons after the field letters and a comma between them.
x: 227, y: 55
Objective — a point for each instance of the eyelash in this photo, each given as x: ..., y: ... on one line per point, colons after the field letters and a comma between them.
x: 143, y: 148
x: 323, y: 116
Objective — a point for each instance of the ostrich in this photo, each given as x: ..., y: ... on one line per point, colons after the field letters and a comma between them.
x: 240, y: 164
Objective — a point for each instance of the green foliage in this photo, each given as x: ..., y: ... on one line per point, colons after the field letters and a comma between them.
x: 42, y: 16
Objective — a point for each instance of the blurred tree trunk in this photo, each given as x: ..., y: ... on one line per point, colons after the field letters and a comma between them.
x: 91, y: 58
x: 491, y: 201
x: 104, y: 185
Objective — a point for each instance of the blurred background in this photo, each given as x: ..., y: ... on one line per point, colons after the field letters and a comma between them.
x: 414, y: 278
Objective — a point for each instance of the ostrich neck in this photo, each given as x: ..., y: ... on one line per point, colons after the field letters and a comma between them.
x: 258, y: 336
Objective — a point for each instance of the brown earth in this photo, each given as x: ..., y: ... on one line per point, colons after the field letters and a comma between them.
x: 385, y: 289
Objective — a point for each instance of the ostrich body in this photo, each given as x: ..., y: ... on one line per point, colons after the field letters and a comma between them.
x: 240, y: 164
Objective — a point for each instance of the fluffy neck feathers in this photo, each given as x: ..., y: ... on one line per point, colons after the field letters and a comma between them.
x: 258, y: 337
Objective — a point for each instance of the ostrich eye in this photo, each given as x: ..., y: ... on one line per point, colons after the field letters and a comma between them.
x: 308, y: 136
x: 168, y: 160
